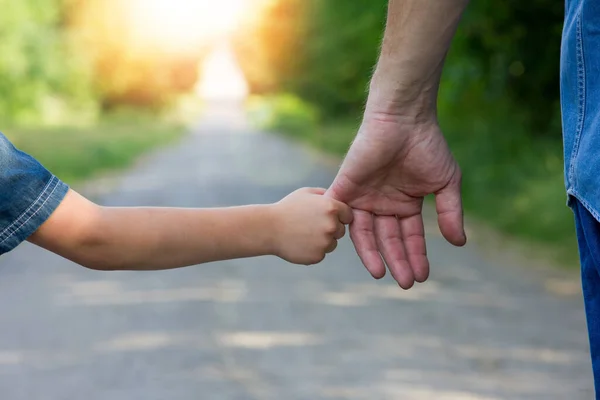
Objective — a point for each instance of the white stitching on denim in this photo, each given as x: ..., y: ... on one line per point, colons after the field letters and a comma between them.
x: 11, y: 230
x: 39, y: 208
x: 585, y: 204
x: 42, y: 193
x: 581, y: 94
x: 15, y: 230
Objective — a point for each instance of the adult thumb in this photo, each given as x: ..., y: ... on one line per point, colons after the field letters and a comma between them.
x: 333, y: 190
x: 448, y: 204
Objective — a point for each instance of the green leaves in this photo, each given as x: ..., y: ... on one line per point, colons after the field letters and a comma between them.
x: 37, y: 67
x: 325, y: 50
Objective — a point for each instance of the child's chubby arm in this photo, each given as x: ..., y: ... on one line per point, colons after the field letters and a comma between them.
x: 301, y: 229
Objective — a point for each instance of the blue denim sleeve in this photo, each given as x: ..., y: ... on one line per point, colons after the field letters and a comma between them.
x: 29, y: 194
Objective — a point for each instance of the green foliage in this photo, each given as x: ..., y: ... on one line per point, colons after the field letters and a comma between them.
x: 509, y: 51
x: 323, y: 51
x: 76, y: 153
x: 283, y: 113
x: 40, y: 79
x: 267, y: 46
x: 340, y: 47
x: 129, y: 70
x: 63, y: 59
x: 511, y: 178
x: 49, y: 105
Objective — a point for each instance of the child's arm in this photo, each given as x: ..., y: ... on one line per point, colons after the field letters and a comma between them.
x: 301, y: 228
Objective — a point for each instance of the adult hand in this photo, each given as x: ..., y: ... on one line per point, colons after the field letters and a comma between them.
x: 393, y: 163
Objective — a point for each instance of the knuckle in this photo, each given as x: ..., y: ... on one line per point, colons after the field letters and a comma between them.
x: 330, y: 207
x: 330, y: 228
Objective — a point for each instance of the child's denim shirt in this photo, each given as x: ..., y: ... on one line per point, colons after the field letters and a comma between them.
x: 28, y: 195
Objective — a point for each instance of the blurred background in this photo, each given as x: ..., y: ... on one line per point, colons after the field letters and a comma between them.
x: 80, y: 71
x: 88, y: 86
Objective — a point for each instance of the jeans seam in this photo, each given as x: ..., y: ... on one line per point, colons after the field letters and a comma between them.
x: 581, y: 96
x: 31, y: 211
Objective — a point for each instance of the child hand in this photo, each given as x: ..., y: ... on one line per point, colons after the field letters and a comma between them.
x: 309, y: 225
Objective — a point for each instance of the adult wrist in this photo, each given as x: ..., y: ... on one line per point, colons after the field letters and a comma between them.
x: 413, y: 100
x: 415, y: 112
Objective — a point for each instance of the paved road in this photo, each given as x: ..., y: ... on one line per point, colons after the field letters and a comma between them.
x: 262, y: 329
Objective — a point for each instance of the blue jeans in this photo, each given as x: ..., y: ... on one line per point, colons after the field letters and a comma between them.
x: 588, y: 238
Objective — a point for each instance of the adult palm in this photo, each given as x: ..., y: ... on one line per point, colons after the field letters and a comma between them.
x: 391, y: 166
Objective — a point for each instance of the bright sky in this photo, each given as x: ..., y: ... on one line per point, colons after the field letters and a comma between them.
x: 222, y: 78
x: 180, y: 24
x: 185, y: 25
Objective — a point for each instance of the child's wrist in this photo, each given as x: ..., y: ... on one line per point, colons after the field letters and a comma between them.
x: 270, y: 229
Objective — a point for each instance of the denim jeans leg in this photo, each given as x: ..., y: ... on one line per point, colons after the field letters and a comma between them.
x: 588, y: 238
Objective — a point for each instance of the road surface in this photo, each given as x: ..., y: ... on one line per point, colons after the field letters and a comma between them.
x: 479, y: 329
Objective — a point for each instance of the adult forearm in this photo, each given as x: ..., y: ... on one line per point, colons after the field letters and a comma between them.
x: 416, y: 40
x: 107, y: 238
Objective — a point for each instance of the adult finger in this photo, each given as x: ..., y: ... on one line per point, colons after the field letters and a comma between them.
x: 413, y: 237
x: 448, y: 205
x: 363, y: 237
x: 389, y: 240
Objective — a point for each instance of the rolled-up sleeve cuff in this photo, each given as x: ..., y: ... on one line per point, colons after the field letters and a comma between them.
x: 34, y: 216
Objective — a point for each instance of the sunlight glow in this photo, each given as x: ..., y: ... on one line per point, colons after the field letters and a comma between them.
x: 181, y: 24
x: 222, y: 78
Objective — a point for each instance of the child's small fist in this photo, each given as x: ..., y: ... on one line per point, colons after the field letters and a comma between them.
x: 308, y: 225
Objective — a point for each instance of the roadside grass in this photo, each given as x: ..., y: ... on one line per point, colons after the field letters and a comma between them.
x: 76, y: 153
